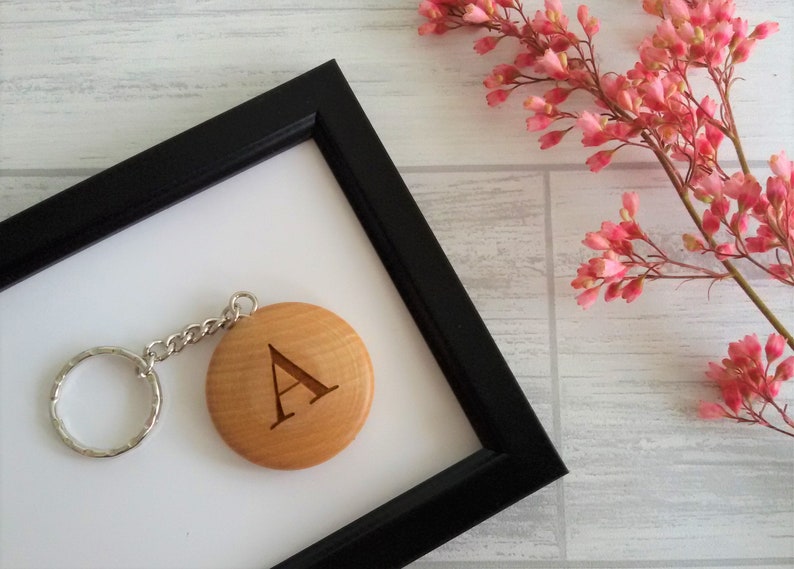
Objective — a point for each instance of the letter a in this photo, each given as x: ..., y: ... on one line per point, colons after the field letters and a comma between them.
x: 302, y: 377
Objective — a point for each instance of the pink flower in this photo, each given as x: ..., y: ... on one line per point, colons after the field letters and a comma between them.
x: 714, y: 136
x: 592, y: 127
x: 678, y: 10
x: 599, y: 160
x: 609, y: 268
x: 709, y: 187
x: 745, y: 189
x: 554, y: 65
x: 706, y: 108
x: 431, y: 10
x: 589, y: 24
x: 720, y: 207
x: 596, y: 241
x: 781, y: 166
x: 437, y: 13
x: 502, y: 75
x: 781, y: 271
x: 475, y: 15
x: 497, y: 97
x: 553, y: 8
x: 653, y: 7
x: 536, y: 104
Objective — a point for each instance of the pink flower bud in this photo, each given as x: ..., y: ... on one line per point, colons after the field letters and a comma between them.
x: 692, y: 243
x: 704, y: 147
x: 430, y: 10
x: 732, y: 396
x: 711, y: 223
x: 785, y: 370
x: 501, y: 75
x: 486, y: 44
x: 653, y: 7
x: 725, y: 251
x: 711, y: 411
x: 538, y: 122
x: 599, y: 160
x: 631, y: 203
x: 706, y: 108
x: 776, y: 192
x: 742, y: 51
x: 625, y: 100
x: 589, y: 24
x: 633, y: 290
x: 596, y: 241
x: 551, y: 138
x: 588, y: 297
x: 613, y: 291
x: 774, y: 347
x: 525, y: 60
x: 714, y: 135
x: 556, y: 96
x: 781, y: 271
x: 720, y: 207
x: 497, y: 97
x: 739, y: 223
x: 764, y: 30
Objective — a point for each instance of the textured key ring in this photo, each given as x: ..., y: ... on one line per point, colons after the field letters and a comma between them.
x: 140, y: 366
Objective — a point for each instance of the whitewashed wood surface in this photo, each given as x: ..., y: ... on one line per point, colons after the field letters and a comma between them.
x: 87, y: 83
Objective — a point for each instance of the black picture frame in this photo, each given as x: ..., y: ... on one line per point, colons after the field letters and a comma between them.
x: 517, y: 457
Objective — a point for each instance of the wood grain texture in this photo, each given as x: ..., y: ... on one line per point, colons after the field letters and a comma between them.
x: 135, y: 74
x: 87, y: 83
x: 290, y: 386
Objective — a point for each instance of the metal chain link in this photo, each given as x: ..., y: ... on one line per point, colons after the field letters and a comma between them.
x: 160, y: 350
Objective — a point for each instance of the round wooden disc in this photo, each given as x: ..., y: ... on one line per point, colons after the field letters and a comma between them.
x: 290, y: 386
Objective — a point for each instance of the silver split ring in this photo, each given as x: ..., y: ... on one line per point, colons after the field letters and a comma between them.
x: 141, y: 368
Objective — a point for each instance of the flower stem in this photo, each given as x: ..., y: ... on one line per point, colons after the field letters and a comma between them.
x: 674, y: 177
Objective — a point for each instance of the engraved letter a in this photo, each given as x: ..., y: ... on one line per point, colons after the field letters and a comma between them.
x: 303, y: 378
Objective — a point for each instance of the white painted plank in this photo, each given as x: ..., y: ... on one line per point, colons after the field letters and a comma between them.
x: 125, y: 76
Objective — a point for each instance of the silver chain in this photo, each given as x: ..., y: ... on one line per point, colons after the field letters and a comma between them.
x: 161, y: 350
